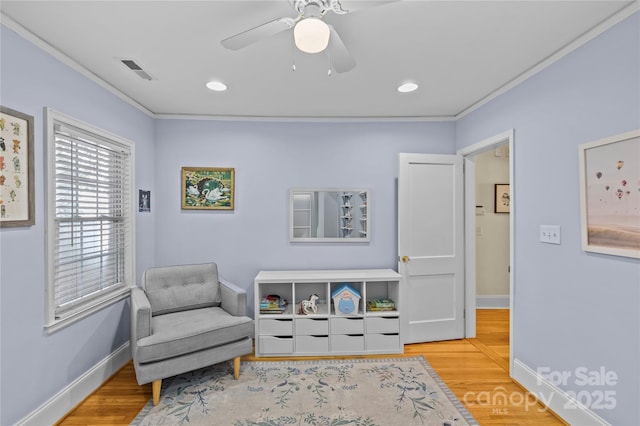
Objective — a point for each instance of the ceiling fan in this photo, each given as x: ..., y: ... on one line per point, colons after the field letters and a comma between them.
x: 311, y: 33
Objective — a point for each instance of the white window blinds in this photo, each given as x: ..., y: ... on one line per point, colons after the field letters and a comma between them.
x: 91, y: 225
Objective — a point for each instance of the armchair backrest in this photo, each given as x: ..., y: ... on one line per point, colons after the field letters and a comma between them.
x: 183, y: 287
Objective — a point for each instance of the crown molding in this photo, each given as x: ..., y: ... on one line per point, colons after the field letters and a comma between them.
x: 306, y: 119
x: 68, y: 61
x: 614, y: 19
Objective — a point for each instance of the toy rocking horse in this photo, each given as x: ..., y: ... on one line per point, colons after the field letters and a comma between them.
x: 309, y: 306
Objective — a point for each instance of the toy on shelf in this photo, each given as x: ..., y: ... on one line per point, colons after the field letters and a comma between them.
x: 309, y: 306
x: 273, y: 304
x: 346, y: 300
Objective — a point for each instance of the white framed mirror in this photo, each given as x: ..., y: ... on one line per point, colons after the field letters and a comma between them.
x: 329, y: 215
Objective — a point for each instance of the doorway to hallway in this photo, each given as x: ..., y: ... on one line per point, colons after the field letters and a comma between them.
x: 493, y: 202
x: 504, y: 142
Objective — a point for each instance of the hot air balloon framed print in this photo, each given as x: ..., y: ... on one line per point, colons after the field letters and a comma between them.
x: 610, y: 195
x: 208, y: 188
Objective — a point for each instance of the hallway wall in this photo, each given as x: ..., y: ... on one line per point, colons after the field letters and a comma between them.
x: 492, y: 229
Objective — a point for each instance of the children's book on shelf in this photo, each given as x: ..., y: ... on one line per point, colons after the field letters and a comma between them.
x: 272, y: 311
x: 272, y: 304
x: 381, y: 305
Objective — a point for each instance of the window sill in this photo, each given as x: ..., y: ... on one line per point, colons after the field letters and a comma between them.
x: 58, y: 324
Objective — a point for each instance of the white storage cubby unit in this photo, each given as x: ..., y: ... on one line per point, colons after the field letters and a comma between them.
x: 325, y: 332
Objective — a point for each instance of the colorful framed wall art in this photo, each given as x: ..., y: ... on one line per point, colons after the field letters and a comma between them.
x: 17, y: 196
x: 208, y: 188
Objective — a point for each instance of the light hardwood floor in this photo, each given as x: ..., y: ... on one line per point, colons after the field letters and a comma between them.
x: 476, y: 371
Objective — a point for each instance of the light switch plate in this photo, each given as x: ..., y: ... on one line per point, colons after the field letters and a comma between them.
x: 550, y: 234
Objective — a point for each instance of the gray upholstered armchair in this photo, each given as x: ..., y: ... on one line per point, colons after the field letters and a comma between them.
x: 184, y: 318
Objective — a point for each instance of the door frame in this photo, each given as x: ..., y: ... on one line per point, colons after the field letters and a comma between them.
x: 468, y: 153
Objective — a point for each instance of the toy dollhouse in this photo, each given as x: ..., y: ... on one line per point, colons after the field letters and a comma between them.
x: 346, y: 300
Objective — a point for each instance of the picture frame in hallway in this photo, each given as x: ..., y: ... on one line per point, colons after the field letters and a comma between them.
x: 502, y: 196
x: 610, y: 195
x: 208, y: 188
x: 17, y: 195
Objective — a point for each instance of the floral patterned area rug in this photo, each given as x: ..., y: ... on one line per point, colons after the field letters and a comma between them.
x: 356, y: 392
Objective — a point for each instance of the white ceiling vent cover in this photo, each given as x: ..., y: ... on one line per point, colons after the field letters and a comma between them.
x: 133, y: 66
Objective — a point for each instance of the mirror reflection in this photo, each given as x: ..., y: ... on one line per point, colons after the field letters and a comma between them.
x: 329, y: 215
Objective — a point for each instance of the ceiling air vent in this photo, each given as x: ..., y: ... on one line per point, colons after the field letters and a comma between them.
x: 133, y: 66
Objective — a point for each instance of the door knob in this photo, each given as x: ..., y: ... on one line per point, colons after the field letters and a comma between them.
x: 405, y: 259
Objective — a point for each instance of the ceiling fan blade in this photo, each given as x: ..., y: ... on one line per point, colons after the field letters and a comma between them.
x: 341, y: 59
x: 347, y: 6
x: 258, y: 33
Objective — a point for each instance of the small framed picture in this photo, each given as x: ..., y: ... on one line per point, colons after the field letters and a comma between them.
x: 144, y: 200
x: 208, y: 188
x: 502, y: 198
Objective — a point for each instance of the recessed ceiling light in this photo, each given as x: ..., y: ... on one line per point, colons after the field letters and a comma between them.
x: 407, y: 87
x: 217, y: 86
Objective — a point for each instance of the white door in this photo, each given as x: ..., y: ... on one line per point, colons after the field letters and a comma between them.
x: 431, y: 246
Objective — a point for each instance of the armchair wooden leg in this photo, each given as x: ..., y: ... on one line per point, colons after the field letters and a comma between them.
x: 236, y: 367
x: 155, y: 389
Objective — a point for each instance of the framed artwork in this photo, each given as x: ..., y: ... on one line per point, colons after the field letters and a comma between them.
x: 144, y: 200
x: 502, y: 196
x: 610, y: 195
x: 17, y: 196
x: 208, y: 188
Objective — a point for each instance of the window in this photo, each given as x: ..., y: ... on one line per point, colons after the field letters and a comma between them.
x: 90, y: 219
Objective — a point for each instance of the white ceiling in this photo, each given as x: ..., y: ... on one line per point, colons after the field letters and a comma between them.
x: 459, y: 52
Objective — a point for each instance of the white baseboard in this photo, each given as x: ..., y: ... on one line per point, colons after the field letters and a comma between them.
x: 492, y: 302
x: 555, y: 398
x: 75, y: 392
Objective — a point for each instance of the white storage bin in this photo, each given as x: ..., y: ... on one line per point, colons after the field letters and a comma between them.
x: 275, y: 345
x: 383, y: 325
x: 312, y: 344
x: 276, y: 327
x: 347, y: 326
x: 347, y: 343
x: 383, y: 343
x: 309, y: 326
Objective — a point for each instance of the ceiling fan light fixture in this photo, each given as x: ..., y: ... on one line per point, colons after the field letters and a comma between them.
x: 408, y: 87
x: 311, y: 35
x: 216, y: 86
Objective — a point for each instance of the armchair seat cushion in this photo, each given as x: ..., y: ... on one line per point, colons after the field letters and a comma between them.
x: 184, y: 332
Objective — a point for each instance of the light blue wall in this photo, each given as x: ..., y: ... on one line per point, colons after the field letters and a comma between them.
x: 269, y: 159
x: 572, y: 309
x: 34, y: 365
